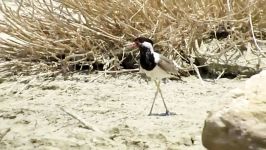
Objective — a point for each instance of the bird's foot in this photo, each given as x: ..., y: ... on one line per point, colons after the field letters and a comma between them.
x: 167, y: 113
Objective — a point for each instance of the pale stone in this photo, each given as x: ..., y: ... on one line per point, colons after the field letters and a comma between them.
x: 242, y: 125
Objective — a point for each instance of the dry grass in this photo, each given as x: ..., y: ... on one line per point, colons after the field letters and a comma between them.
x: 62, y: 33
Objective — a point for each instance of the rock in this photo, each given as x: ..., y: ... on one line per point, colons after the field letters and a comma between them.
x: 242, y: 125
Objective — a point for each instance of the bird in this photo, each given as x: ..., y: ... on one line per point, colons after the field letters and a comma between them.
x: 156, y: 66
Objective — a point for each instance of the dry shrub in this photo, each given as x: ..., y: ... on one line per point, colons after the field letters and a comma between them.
x: 63, y: 33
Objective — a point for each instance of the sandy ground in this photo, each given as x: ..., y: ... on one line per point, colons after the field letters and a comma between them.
x: 115, y: 107
x: 33, y: 112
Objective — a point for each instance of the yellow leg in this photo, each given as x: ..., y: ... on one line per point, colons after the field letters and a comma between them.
x: 156, y: 93
x: 159, y: 89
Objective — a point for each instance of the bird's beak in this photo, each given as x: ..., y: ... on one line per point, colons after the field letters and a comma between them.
x: 131, y: 45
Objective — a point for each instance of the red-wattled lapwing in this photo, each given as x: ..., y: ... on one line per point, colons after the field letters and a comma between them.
x: 155, y: 66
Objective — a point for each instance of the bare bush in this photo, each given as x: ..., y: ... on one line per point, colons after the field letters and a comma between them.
x: 62, y: 33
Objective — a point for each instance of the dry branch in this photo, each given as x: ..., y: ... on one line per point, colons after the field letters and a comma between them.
x: 120, y: 71
x: 61, y: 33
x: 4, y: 134
x: 85, y: 124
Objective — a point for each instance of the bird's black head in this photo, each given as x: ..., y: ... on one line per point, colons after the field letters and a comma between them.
x: 138, y: 41
x: 147, y: 59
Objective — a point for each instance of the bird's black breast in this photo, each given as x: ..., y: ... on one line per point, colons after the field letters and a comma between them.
x: 146, y: 59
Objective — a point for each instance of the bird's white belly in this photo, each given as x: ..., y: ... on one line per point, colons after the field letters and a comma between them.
x: 156, y: 73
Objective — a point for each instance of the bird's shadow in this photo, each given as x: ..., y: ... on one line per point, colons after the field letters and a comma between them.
x: 163, y: 114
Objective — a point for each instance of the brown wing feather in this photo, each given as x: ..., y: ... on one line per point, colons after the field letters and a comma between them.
x: 171, y: 68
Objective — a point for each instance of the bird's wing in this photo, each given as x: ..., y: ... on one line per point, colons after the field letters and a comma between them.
x: 170, y: 67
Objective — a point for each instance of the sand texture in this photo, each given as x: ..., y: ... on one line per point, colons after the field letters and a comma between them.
x: 108, y: 113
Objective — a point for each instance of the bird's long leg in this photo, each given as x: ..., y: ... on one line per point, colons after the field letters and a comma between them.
x: 156, y: 93
x: 159, y: 89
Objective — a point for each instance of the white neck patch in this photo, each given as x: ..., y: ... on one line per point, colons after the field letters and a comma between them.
x: 155, y: 55
x: 148, y: 45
